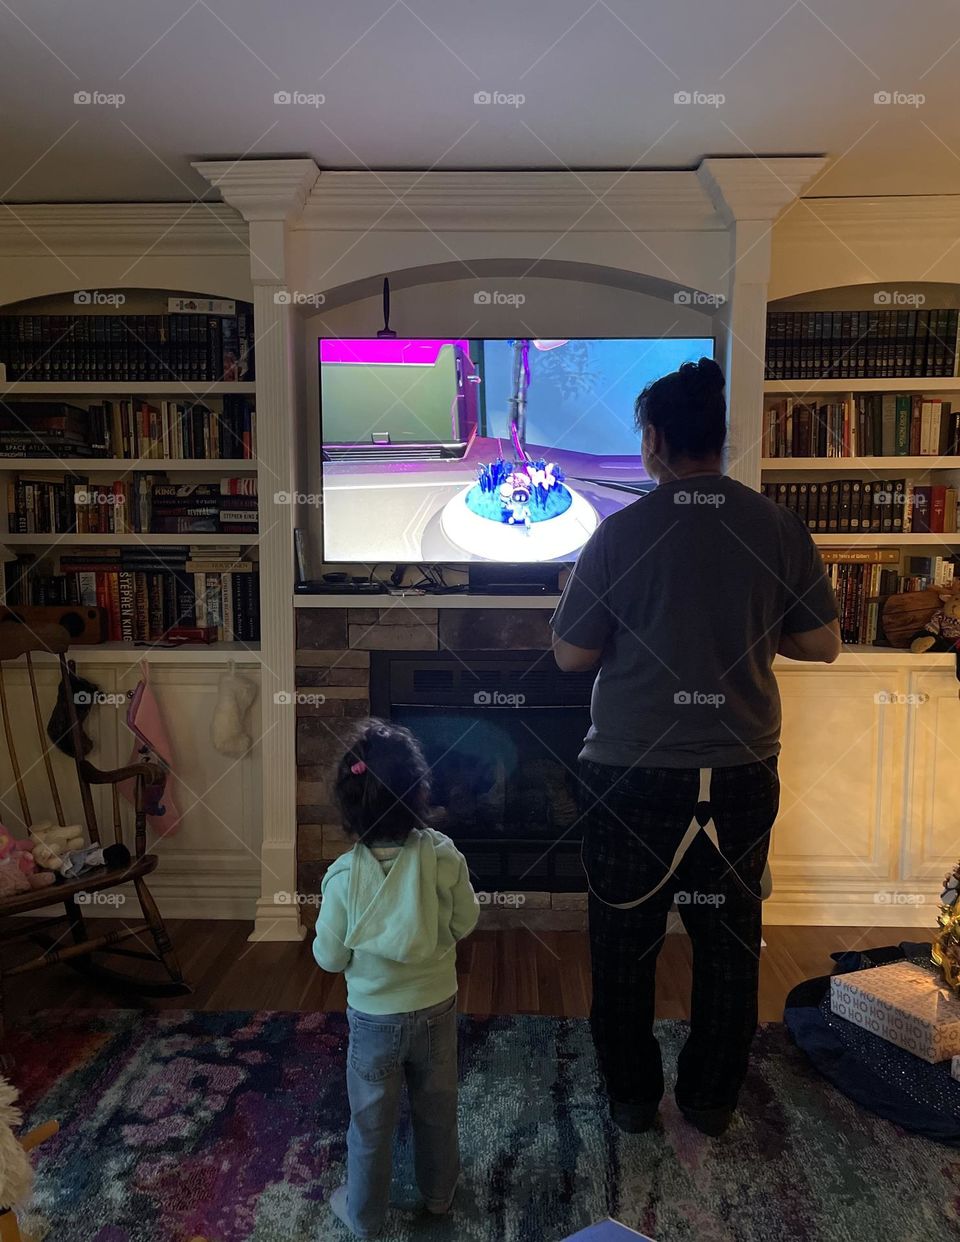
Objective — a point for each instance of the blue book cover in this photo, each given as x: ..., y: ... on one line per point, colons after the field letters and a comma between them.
x: 608, y: 1231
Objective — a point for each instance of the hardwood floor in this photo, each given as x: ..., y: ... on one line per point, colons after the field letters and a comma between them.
x: 501, y: 972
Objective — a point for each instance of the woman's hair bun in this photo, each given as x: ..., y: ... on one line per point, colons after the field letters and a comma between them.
x: 689, y: 407
x: 705, y: 376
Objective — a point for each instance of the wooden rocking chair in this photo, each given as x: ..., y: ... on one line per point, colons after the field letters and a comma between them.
x: 19, y: 640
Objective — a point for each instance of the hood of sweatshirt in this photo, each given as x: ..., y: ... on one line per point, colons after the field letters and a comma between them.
x: 392, y: 906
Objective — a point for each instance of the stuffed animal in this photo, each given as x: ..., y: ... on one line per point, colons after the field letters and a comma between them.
x: 942, y: 631
x: 46, y: 857
x: 12, y: 879
x: 58, y: 837
x: 16, y: 1172
x: 16, y: 1181
x: 74, y: 863
x: 235, y: 695
x: 19, y: 854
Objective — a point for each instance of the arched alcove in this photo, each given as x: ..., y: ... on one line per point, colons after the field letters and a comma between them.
x: 516, y: 272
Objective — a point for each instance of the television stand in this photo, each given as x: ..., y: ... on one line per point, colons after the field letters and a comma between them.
x: 506, y: 579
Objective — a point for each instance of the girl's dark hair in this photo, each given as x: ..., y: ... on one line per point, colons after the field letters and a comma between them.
x: 689, y: 407
x: 388, y: 794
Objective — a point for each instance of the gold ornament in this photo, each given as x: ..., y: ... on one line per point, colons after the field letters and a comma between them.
x: 946, y: 945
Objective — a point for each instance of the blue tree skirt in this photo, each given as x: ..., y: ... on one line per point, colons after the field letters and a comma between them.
x: 871, y: 1071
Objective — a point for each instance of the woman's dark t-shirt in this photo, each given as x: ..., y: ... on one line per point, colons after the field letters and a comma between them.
x: 687, y: 592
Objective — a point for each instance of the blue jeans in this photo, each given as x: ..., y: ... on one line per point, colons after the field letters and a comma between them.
x: 385, y: 1050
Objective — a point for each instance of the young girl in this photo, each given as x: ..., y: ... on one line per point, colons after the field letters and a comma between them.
x: 393, y: 910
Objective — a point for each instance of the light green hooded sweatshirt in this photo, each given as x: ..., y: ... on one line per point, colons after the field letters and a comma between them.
x: 390, y: 919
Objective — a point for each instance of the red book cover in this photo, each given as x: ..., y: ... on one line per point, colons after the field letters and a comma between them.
x: 938, y: 496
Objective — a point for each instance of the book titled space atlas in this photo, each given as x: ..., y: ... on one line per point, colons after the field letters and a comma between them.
x: 608, y: 1231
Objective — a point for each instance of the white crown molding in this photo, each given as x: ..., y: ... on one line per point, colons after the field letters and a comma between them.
x: 756, y: 189
x: 120, y: 229
x: 509, y: 201
x: 934, y: 216
x: 262, y: 189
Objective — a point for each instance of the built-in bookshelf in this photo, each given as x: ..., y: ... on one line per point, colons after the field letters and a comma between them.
x: 188, y: 339
x: 129, y: 469
x: 861, y: 439
x: 883, y: 341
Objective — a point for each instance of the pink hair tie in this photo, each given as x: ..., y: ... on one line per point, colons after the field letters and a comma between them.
x: 358, y: 768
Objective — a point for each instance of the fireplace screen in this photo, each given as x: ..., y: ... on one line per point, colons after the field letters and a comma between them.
x: 501, y: 734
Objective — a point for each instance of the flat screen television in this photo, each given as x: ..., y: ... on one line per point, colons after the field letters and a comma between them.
x: 466, y: 450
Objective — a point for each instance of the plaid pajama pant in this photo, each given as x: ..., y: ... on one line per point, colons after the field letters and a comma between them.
x: 634, y: 819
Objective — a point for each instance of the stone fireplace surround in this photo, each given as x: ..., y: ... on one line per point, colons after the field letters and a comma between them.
x: 333, y: 692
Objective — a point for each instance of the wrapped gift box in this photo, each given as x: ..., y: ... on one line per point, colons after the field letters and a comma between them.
x: 904, y: 1003
x: 608, y: 1231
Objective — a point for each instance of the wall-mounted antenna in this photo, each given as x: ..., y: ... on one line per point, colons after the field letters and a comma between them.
x: 385, y: 333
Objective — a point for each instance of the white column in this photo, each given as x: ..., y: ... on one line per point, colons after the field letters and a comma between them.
x: 278, y: 916
x: 270, y: 194
x: 749, y: 194
x: 745, y: 327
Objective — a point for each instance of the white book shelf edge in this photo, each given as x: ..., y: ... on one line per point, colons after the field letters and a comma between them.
x: 855, y: 540
x: 874, y: 464
x: 127, y: 654
x: 150, y: 465
x: 800, y: 388
x: 194, y: 389
x: 126, y: 541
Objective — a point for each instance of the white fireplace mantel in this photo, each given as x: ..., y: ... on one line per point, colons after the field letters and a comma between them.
x: 337, y: 234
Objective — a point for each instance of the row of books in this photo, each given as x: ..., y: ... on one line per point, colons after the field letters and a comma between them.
x: 115, y: 348
x: 139, y: 504
x: 131, y: 429
x: 869, y: 506
x: 147, y: 591
x: 862, y: 581
x: 859, y: 344
x: 864, y: 425
x: 859, y: 590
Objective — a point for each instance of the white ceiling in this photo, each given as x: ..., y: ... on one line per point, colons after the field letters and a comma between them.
x: 399, y: 77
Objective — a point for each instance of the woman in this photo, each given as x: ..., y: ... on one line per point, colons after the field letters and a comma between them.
x: 683, y: 599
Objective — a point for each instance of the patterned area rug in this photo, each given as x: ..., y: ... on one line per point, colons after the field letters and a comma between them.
x: 231, y: 1126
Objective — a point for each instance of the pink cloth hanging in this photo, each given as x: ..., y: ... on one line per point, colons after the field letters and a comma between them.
x: 151, y: 743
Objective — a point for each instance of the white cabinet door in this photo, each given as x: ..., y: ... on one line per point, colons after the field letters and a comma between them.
x: 840, y: 770
x: 931, y: 839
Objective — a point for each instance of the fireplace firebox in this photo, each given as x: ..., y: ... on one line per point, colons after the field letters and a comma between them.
x: 501, y: 732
